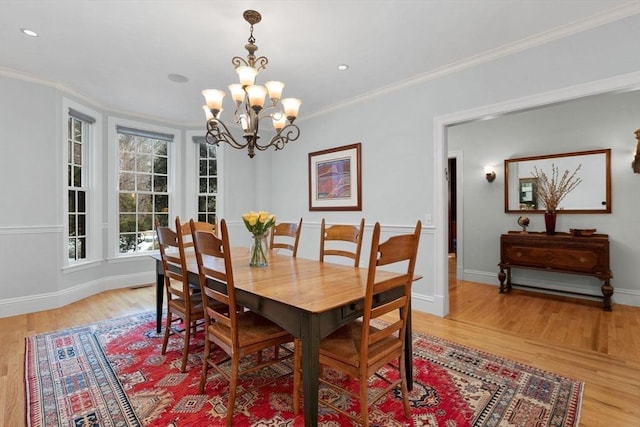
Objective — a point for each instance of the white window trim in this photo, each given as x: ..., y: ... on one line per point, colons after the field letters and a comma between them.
x: 91, y: 158
x: 174, y: 181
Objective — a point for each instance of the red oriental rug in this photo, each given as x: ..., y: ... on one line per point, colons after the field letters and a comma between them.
x: 111, y: 374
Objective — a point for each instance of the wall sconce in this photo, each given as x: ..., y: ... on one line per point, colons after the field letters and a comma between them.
x: 636, y: 159
x: 489, y: 173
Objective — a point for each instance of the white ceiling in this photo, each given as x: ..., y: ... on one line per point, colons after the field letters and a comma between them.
x: 119, y: 53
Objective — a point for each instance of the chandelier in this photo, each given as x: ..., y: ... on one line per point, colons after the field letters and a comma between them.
x: 250, y: 103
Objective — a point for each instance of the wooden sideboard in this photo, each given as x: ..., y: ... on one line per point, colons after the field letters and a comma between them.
x: 560, y: 252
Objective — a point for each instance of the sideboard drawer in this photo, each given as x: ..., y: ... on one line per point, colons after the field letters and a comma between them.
x: 570, y: 260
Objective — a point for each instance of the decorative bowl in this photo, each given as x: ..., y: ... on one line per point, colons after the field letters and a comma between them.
x: 582, y: 232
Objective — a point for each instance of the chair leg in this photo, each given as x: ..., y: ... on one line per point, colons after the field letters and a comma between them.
x: 233, y: 383
x: 403, y: 388
x: 297, y: 377
x: 364, y: 402
x: 205, y: 363
x: 167, y: 331
x: 187, y: 341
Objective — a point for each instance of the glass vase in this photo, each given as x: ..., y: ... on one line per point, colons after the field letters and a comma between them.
x: 550, y: 222
x: 258, y: 251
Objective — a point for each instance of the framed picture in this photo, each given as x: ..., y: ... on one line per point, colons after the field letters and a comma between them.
x: 528, y: 199
x: 335, y: 179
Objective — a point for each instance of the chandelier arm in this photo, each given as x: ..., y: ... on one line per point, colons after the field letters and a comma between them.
x: 215, y: 135
x: 237, y: 62
x: 287, y: 134
x: 260, y: 63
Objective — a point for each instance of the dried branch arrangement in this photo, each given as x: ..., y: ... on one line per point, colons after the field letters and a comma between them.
x: 551, y: 191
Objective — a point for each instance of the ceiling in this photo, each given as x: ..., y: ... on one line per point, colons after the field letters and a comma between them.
x: 118, y: 54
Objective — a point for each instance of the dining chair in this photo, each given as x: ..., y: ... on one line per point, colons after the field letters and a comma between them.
x: 361, y: 348
x: 343, y: 240
x: 183, y: 301
x: 286, y: 235
x: 238, y: 333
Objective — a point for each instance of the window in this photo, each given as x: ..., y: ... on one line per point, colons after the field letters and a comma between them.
x: 143, y: 193
x: 77, y: 137
x: 207, y: 181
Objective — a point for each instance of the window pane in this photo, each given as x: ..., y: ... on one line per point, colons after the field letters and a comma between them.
x: 163, y: 220
x: 202, y: 217
x: 202, y: 203
x: 211, y: 204
x: 128, y: 242
x: 77, y: 176
x: 81, y: 251
x: 213, y: 167
x: 160, y: 165
x: 72, y: 201
x: 145, y: 203
x: 127, y: 202
x: 144, y: 182
x: 127, y: 181
x: 127, y: 162
x: 81, y: 201
x: 203, y: 185
x: 81, y: 225
x: 145, y: 222
x: 160, y: 183
x: 213, y: 185
x: 203, y: 167
x: 72, y: 249
x: 77, y: 130
x: 161, y: 203
x: 72, y: 225
x: 77, y: 153
x: 127, y: 223
x: 211, y: 218
x: 143, y: 163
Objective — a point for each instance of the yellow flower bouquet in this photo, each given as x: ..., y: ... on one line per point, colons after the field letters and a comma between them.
x: 258, y: 224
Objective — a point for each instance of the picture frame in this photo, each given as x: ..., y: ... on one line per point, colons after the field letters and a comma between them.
x: 335, y: 179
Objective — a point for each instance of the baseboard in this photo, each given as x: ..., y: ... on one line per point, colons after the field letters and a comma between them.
x: 33, y: 303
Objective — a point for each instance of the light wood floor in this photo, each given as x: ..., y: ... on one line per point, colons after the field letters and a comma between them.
x: 571, y: 337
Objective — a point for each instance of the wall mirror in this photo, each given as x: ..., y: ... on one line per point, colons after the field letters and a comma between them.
x: 592, y: 195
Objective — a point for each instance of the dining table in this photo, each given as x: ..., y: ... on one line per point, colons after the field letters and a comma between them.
x: 308, y: 298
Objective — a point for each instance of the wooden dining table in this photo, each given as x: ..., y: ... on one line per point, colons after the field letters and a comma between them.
x: 308, y: 298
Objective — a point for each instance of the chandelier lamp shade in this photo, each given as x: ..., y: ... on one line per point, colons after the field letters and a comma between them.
x: 249, y: 98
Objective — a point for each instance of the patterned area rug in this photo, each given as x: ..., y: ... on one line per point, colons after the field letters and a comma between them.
x: 112, y: 374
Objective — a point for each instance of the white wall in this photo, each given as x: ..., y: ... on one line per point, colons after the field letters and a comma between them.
x: 402, y: 165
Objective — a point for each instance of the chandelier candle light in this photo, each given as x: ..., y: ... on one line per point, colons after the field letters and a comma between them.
x: 258, y: 224
x: 250, y: 99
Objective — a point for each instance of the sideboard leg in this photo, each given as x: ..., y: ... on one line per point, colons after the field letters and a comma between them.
x: 501, y: 277
x: 607, y: 291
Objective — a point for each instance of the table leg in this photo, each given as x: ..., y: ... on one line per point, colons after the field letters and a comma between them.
x: 159, y: 299
x: 310, y: 367
x: 408, y: 350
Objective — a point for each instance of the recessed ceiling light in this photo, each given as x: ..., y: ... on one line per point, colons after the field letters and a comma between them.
x: 178, y: 78
x: 28, y: 32
x: 343, y: 67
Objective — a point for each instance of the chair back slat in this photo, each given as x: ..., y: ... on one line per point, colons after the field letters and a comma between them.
x: 350, y: 235
x: 286, y: 235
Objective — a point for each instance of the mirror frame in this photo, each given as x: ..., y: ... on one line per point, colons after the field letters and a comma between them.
x: 607, y: 209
